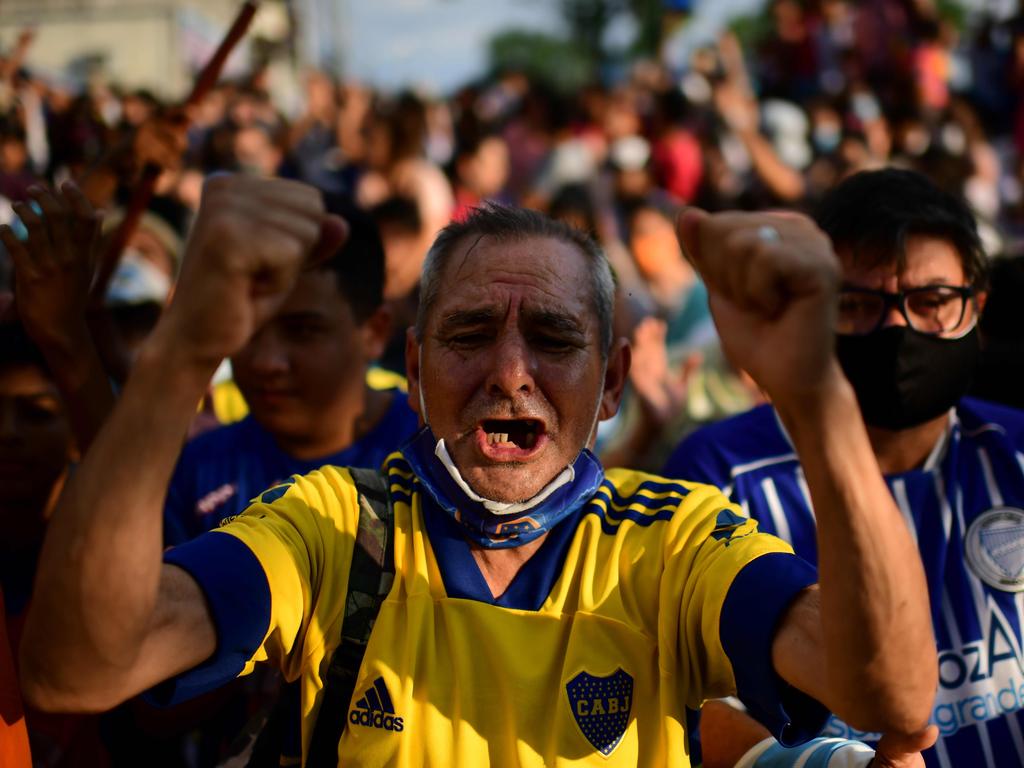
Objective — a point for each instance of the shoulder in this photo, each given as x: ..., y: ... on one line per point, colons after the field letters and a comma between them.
x: 322, y: 501
x: 981, y: 419
x: 711, y: 453
x: 218, y: 443
x: 398, y: 423
x: 400, y: 418
x: 644, y: 500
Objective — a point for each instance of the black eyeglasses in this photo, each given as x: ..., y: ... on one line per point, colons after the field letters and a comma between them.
x: 931, y: 309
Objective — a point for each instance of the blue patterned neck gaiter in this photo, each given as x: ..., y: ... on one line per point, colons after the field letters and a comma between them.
x: 496, y: 524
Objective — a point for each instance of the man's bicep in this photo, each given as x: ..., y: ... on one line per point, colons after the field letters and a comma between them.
x: 182, y: 634
x: 228, y: 591
x: 798, y: 646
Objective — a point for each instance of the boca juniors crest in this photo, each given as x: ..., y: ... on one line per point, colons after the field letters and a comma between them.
x: 601, y: 707
x: 995, y: 548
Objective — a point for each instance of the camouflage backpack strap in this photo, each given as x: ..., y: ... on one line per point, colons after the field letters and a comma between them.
x: 370, y: 578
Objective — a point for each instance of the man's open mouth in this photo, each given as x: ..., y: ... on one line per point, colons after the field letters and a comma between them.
x: 512, y: 433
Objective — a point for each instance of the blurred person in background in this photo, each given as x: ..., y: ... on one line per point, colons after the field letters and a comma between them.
x: 395, y: 162
x: 37, y: 447
x: 54, y: 395
x: 480, y: 171
x: 405, y: 245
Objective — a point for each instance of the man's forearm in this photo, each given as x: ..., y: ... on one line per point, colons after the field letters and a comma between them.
x: 99, y: 572
x: 880, y: 659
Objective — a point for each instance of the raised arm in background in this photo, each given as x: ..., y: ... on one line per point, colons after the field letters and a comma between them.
x: 52, y: 273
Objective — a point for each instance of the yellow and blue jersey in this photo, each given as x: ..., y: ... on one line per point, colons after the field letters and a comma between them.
x: 965, y: 510
x: 651, y: 597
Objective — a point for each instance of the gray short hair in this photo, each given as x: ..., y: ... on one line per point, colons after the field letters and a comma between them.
x: 508, y: 224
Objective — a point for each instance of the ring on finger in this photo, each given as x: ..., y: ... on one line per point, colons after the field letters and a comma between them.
x: 766, y: 233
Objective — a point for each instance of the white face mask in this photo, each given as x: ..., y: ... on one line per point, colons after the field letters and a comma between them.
x: 137, y: 280
x: 567, y: 475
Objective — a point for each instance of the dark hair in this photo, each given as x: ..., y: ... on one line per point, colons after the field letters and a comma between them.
x: 574, y: 200
x: 507, y: 224
x: 871, y: 214
x: 359, y: 264
x: 400, y: 213
x: 17, y: 350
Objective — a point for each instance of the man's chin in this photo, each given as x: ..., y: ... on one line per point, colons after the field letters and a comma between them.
x: 508, y: 483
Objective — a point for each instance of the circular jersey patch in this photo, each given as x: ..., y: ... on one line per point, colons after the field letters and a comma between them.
x: 995, y: 548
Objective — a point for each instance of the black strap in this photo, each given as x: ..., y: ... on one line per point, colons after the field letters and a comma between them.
x: 370, y: 577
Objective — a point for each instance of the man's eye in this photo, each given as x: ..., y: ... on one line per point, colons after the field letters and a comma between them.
x: 302, y: 332
x: 554, y: 343
x: 474, y: 339
x: 31, y: 412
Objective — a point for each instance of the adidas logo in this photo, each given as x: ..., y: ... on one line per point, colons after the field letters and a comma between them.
x: 375, y: 710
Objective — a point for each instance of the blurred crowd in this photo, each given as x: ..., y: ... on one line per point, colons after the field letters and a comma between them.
x: 825, y: 88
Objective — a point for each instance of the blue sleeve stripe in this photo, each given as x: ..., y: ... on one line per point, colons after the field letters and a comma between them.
x: 238, y: 596
x: 757, y: 598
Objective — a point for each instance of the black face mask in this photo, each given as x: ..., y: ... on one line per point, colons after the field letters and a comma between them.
x: 904, y: 378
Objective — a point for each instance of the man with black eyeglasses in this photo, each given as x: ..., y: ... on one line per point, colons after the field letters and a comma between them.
x: 913, y: 274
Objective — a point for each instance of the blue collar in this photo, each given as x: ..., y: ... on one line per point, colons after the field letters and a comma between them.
x: 490, y: 529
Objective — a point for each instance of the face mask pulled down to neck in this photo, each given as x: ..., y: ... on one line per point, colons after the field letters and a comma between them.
x: 904, y: 378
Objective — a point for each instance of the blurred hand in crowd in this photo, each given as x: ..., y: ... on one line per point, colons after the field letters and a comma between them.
x: 53, y: 267
x: 660, y: 386
x: 162, y: 140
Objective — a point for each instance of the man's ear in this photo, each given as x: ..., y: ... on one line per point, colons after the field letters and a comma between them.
x: 412, y: 371
x: 620, y: 356
x: 376, y: 331
x: 981, y: 297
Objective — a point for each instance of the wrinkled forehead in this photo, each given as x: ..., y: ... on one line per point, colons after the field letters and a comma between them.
x: 540, y: 274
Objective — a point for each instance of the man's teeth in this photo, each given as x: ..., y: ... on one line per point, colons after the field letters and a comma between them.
x: 502, y: 438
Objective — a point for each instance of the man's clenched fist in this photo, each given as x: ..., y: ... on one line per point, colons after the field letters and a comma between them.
x: 249, y: 241
x: 773, y: 282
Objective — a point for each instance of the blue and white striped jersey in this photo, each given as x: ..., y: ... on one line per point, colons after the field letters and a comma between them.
x: 965, y: 508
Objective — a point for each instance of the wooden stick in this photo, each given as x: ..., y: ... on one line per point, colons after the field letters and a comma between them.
x: 204, y: 83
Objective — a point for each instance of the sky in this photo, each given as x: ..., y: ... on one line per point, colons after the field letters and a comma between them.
x: 441, y: 44
x: 436, y: 43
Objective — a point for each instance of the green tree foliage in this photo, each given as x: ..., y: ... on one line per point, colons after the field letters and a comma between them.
x: 557, y: 62
x: 569, y: 61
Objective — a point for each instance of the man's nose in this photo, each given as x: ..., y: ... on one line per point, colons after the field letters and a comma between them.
x: 267, y: 353
x: 893, y: 316
x: 512, y: 369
